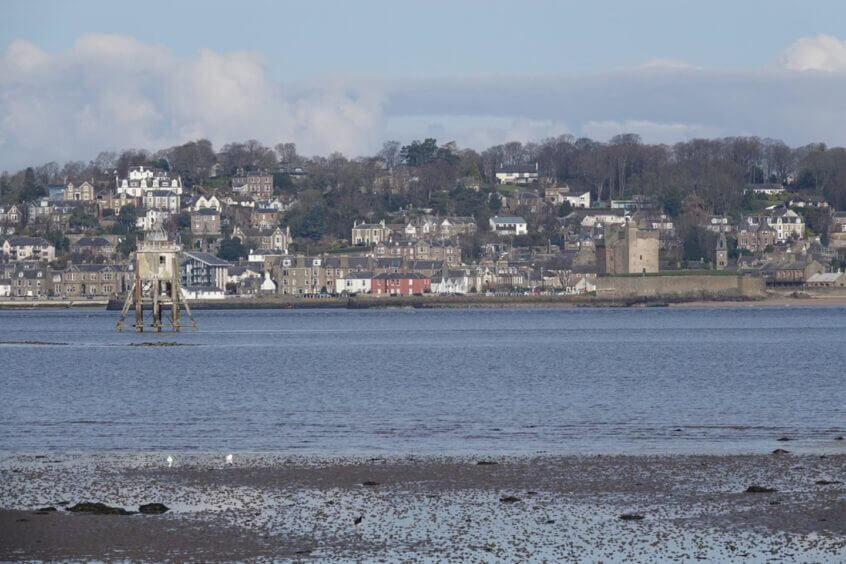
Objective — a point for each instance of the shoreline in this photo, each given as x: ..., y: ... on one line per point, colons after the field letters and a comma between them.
x: 459, y: 302
x: 426, y: 507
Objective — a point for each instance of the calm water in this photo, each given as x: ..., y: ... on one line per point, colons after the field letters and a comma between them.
x: 446, y: 381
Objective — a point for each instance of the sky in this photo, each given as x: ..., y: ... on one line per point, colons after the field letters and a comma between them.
x: 77, y: 78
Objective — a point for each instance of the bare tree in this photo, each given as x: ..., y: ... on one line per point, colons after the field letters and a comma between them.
x: 390, y: 153
x: 287, y: 153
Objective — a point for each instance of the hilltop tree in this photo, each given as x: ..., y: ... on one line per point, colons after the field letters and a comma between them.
x: 250, y: 155
x: 31, y: 188
x: 287, y: 153
x: 193, y: 160
x: 419, y: 154
x: 390, y: 153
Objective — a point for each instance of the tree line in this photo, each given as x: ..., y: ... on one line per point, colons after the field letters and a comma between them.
x: 690, y: 179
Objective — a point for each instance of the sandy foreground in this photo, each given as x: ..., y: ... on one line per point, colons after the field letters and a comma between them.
x: 775, y: 300
x: 506, y: 509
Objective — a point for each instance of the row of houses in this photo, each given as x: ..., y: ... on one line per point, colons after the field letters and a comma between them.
x: 426, y: 227
x: 37, y: 280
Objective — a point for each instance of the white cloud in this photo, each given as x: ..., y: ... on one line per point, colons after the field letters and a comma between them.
x: 110, y: 92
x: 114, y: 92
x: 820, y: 53
x: 667, y: 63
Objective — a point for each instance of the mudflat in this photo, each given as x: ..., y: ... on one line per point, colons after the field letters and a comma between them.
x: 473, y: 507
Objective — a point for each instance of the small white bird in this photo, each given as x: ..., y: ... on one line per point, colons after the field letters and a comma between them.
x: 169, y: 461
x: 229, y: 458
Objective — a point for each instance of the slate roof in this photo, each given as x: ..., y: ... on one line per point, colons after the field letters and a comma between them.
x: 508, y: 219
x: 206, y: 258
x: 398, y: 276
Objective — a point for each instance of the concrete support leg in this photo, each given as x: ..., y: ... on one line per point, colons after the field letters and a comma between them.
x: 139, y: 306
x: 157, y: 307
x: 174, y: 297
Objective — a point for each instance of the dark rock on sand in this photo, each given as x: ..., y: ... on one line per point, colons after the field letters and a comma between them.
x: 45, y: 509
x: 153, y: 508
x: 827, y: 482
x: 760, y: 489
x: 509, y: 499
x: 486, y: 463
x: 631, y: 517
x: 838, y: 438
x: 783, y: 439
x: 781, y: 451
x: 369, y: 483
x: 357, y: 520
x: 98, y: 509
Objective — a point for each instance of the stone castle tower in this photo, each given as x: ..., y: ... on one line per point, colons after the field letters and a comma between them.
x: 631, y: 250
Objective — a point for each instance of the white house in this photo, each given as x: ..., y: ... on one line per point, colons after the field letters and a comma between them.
x: 151, y: 218
x: 262, y: 255
x: 10, y: 214
x: 519, y: 174
x: 141, y: 179
x: 455, y: 282
x: 204, y: 203
x: 268, y: 286
x: 161, y: 200
x: 275, y: 204
x: 5, y: 287
x: 201, y: 293
x: 28, y: 248
x: 786, y: 223
x: 767, y: 189
x: 577, y: 200
x: 509, y: 225
x: 237, y: 273
x: 719, y: 224
x: 354, y: 283
x: 581, y: 283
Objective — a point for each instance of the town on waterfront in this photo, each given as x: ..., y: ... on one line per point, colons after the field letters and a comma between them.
x: 476, y: 281
x: 563, y: 217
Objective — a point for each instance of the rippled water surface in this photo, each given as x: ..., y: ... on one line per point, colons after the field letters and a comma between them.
x: 440, y: 381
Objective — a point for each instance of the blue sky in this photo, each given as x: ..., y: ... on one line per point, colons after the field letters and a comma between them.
x: 84, y: 76
x: 437, y: 38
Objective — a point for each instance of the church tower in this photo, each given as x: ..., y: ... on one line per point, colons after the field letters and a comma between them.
x: 721, y: 253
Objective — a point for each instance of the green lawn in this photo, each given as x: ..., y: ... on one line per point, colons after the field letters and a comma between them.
x: 508, y: 190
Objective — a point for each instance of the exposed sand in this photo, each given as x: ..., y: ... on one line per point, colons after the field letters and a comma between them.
x: 556, y: 507
x: 774, y: 300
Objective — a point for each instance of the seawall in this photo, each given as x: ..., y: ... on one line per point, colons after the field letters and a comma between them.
x: 680, y: 287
